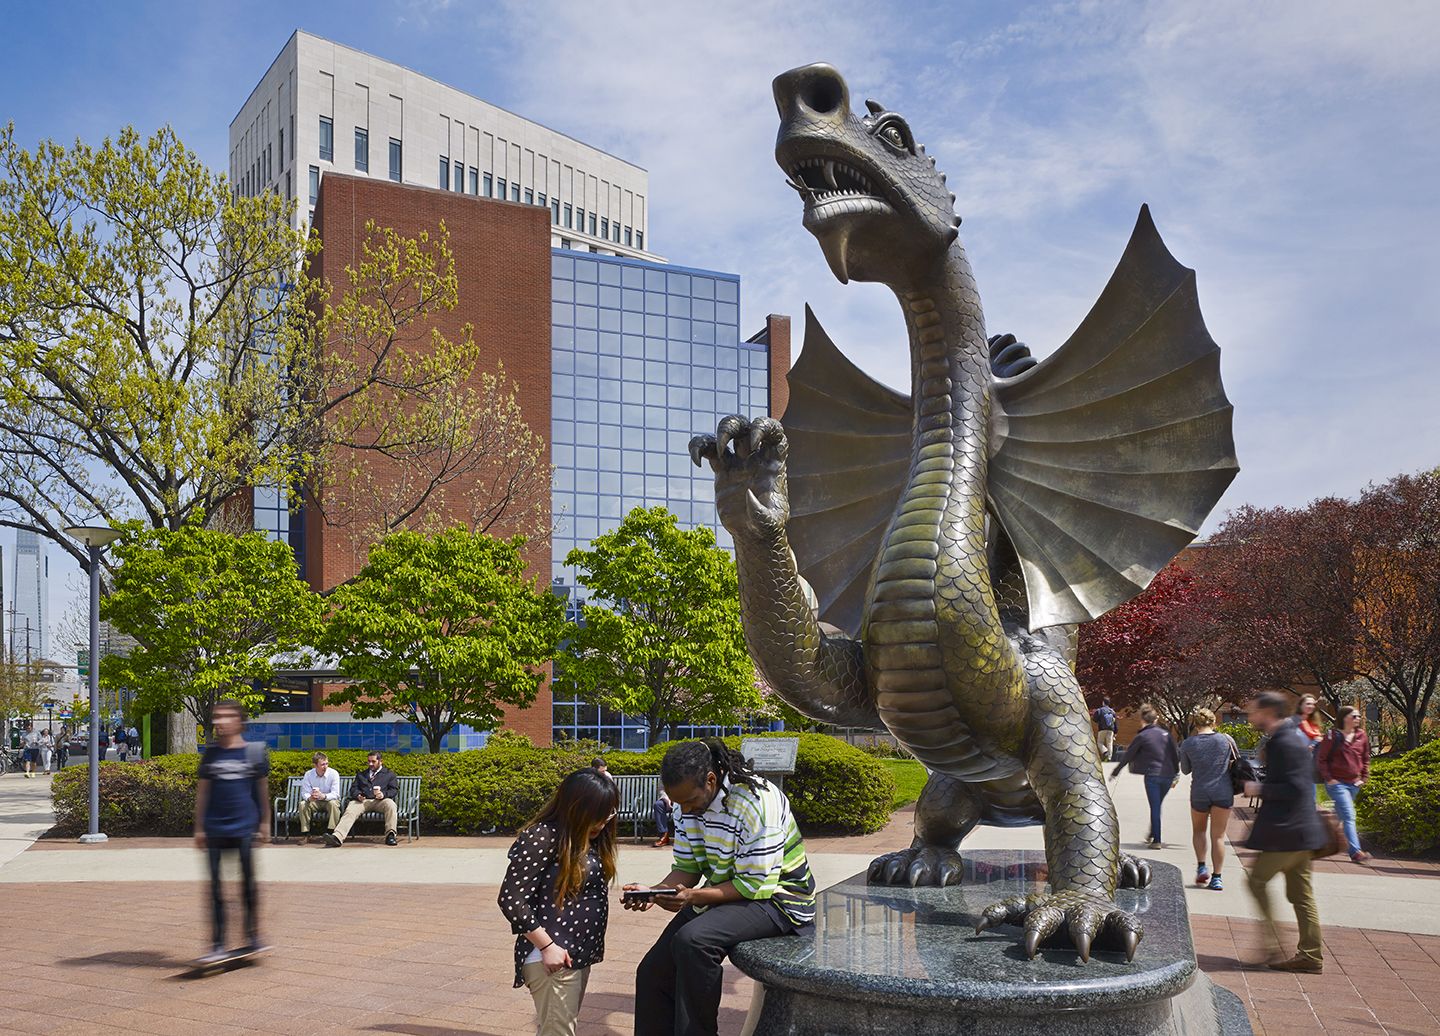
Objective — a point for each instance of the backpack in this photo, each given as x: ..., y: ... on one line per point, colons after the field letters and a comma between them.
x: 1105, y: 717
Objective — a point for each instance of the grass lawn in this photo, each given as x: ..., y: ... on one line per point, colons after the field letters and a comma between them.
x: 909, y: 779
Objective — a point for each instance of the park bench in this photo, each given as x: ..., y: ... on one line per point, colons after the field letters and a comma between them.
x: 407, y: 806
x: 638, y: 793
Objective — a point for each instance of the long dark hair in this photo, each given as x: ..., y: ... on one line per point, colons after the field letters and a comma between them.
x: 584, y: 799
x: 693, y: 761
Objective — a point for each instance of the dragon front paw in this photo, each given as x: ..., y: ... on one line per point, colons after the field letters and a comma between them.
x: 919, y: 865
x: 1134, y: 872
x: 748, y: 458
x: 1084, y: 915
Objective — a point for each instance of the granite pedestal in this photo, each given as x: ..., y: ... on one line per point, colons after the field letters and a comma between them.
x: 907, y: 962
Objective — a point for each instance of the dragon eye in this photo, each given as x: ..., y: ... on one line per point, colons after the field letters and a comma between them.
x: 893, y: 131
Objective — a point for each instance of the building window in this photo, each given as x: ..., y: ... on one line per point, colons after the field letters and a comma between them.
x: 640, y: 239
x: 282, y: 145
x: 474, y: 180
x: 592, y: 224
x: 504, y: 191
x: 460, y: 177
x: 555, y: 211
x: 565, y: 242
x: 489, y: 186
x: 515, y: 191
x: 314, y: 184
x: 327, y: 140
x: 362, y: 150
x: 580, y: 220
x: 604, y: 228
x: 542, y: 201
x: 288, y: 195
x: 567, y: 216
x: 529, y: 196
x: 397, y: 156
x: 292, y: 138
x: 444, y: 172
x: 627, y: 236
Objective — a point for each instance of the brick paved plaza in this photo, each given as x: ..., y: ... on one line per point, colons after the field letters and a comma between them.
x: 98, y: 936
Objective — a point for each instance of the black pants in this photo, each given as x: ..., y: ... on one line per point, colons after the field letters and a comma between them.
x: 677, y: 986
x: 216, y: 847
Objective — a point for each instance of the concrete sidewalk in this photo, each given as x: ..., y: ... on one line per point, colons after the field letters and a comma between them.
x: 1349, y: 896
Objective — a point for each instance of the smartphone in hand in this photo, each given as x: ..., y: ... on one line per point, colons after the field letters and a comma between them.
x: 645, y: 895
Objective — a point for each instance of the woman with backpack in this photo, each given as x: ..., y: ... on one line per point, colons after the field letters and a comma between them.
x: 555, y: 896
x: 1206, y: 755
x: 1343, y: 762
x: 1151, y: 755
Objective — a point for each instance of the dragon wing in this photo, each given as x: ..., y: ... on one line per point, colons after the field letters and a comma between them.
x: 849, y: 451
x: 1108, y: 455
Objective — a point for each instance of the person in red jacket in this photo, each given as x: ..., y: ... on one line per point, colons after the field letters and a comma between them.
x: 1343, y: 760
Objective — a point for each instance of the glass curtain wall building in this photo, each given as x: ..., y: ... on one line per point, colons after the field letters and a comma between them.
x: 644, y: 356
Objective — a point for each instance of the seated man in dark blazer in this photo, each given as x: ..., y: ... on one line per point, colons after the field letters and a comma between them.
x: 373, y: 790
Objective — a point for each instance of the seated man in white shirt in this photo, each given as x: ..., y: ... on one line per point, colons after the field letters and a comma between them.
x: 319, y: 793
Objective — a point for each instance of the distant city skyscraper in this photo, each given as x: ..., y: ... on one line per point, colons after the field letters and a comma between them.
x: 27, y: 614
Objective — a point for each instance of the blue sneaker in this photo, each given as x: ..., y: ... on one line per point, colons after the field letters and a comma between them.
x: 1216, y: 883
x: 1202, y: 875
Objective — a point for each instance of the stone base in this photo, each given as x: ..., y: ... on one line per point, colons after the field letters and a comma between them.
x: 886, y: 960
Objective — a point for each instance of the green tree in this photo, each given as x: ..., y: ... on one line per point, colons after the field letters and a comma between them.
x: 666, y: 642
x: 210, y: 612
x: 164, y: 345
x: 21, y: 691
x: 443, y: 629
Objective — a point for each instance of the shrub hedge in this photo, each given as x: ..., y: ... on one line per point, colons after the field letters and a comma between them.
x: 1399, y: 806
x: 835, y: 787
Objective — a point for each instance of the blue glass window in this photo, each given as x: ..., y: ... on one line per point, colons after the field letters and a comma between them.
x: 362, y: 150
x: 396, y: 160
x: 327, y: 140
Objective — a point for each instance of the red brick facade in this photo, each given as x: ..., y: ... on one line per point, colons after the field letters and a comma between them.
x: 777, y: 329
x: 502, y: 262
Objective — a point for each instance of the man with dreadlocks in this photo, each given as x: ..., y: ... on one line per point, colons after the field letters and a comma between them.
x: 735, y: 831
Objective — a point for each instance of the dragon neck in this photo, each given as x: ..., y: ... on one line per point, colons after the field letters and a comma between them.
x: 949, y: 367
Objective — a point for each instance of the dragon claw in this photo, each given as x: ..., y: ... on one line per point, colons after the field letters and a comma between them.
x: 702, y: 448
x: 1085, y: 916
x: 924, y: 865
x: 1134, y: 872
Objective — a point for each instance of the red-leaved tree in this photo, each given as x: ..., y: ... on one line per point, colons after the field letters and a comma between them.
x: 1159, y: 648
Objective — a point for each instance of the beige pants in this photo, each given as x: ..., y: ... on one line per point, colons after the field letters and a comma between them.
x: 329, y: 807
x: 557, y: 997
x: 1106, y: 740
x: 1298, y: 890
x: 353, y: 811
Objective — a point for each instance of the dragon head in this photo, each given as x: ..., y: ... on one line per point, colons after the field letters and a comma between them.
x: 873, y: 198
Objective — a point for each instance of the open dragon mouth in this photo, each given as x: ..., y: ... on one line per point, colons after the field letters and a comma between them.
x: 821, y: 182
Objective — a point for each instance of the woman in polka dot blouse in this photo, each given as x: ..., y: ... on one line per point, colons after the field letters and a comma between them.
x: 555, y: 896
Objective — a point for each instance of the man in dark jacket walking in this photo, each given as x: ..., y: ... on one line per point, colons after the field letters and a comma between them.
x: 1287, y: 829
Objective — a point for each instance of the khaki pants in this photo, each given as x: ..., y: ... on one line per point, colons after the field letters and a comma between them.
x: 1106, y: 741
x: 557, y: 997
x: 1298, y: 890
x: 353, y: 811
x: 329, y: 807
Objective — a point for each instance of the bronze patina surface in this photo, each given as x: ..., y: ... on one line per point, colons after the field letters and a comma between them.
x: 918, y: 563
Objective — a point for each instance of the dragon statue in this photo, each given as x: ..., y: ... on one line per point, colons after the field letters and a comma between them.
x: 920, y: 563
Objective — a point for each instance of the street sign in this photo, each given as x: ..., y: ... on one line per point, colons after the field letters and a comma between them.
x: 67, y: 713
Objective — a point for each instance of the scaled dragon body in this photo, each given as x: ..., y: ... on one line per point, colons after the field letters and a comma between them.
x: 919, y: 563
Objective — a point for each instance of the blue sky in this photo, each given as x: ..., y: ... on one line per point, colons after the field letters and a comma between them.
x: 1290, y: 152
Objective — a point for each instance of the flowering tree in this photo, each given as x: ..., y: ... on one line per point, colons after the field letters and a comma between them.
x: 1336, y: 592
x: 1158, y: 648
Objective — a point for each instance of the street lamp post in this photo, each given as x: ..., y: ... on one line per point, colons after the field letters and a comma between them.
x: 96, y: 539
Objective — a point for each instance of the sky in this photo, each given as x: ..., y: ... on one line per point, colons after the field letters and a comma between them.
x: 1289, y: 151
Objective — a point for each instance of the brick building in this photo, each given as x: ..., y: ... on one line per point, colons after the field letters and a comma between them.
x: 618, y: 361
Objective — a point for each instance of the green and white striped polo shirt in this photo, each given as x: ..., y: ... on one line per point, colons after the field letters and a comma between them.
x: 748, y: 836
